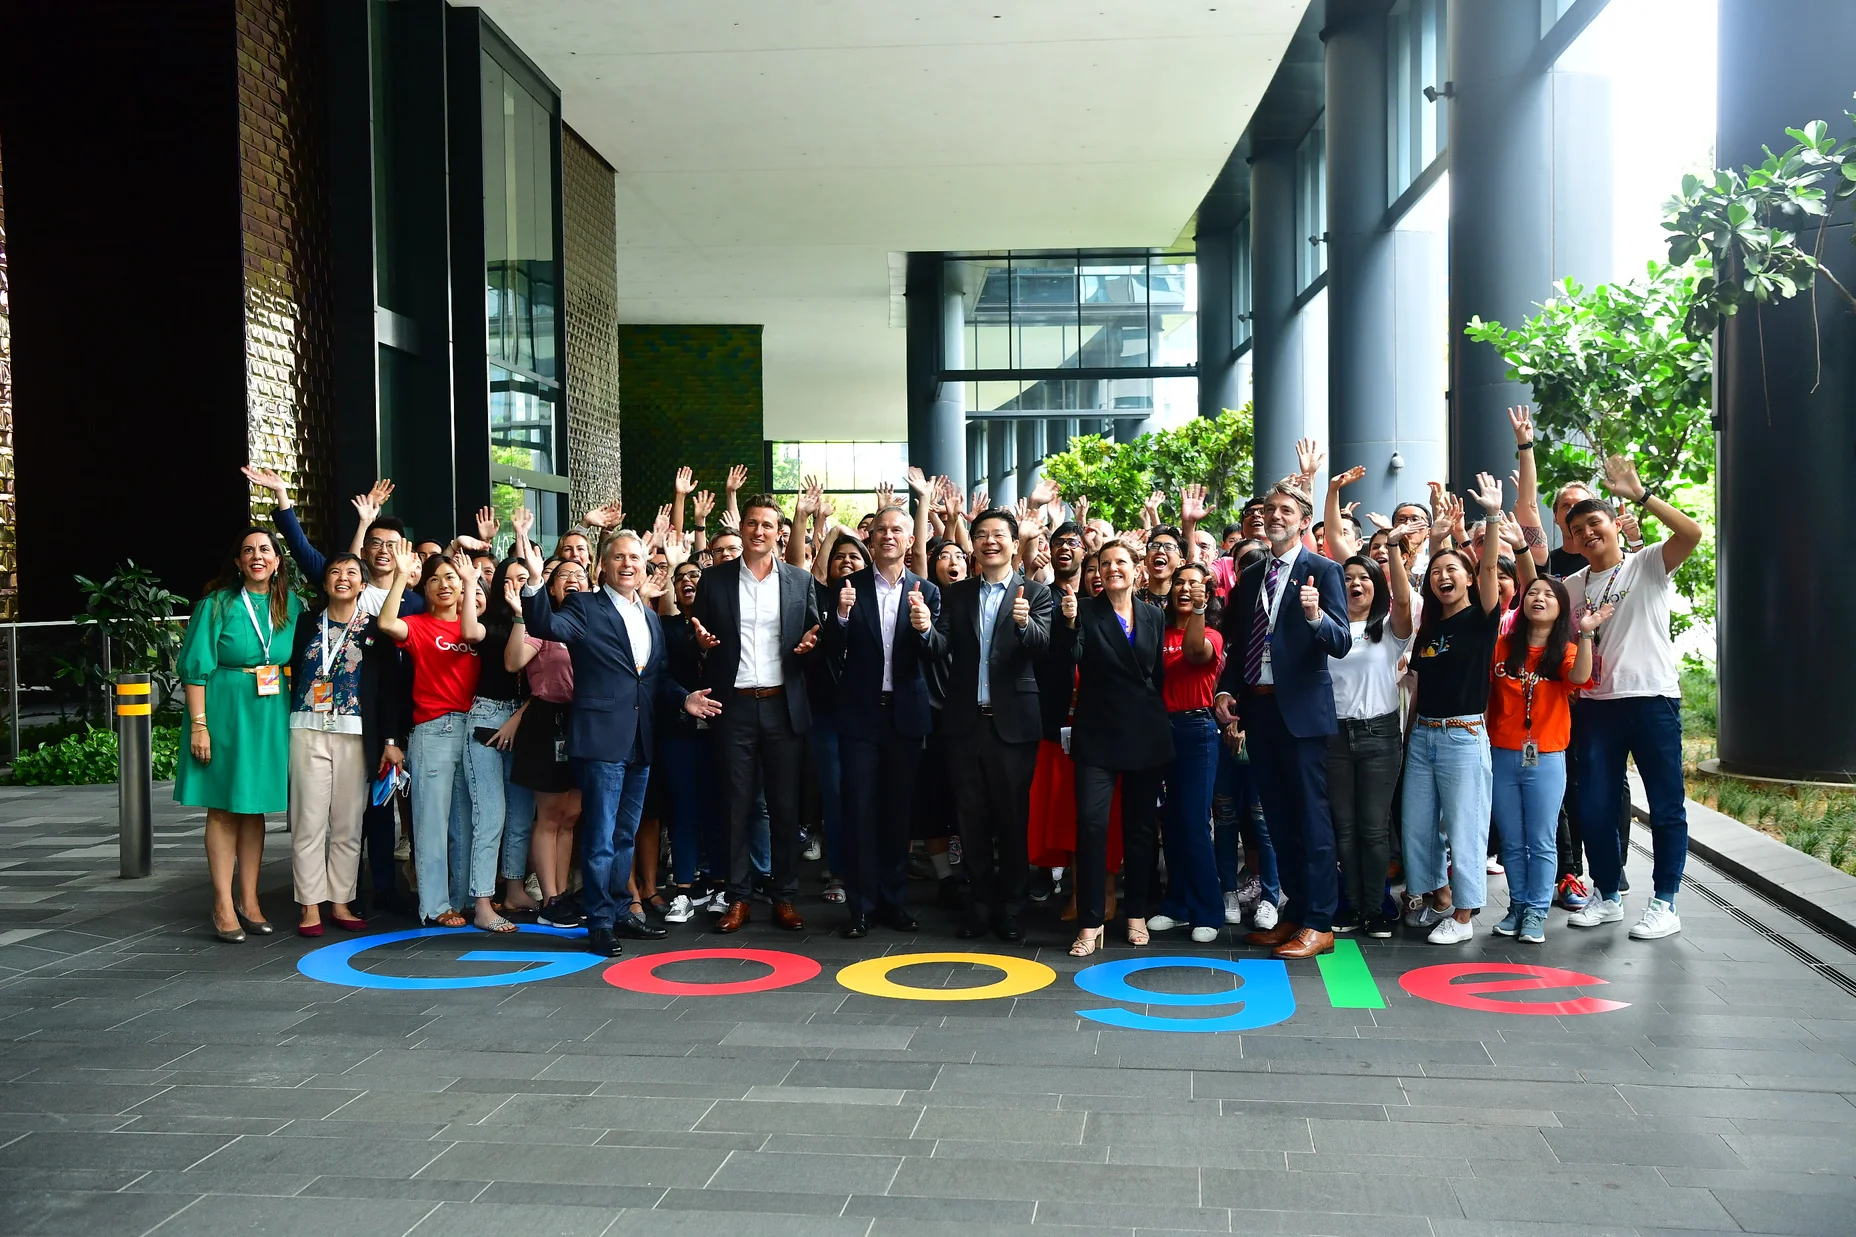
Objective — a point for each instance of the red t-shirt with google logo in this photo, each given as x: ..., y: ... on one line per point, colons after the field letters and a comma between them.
x: 444, y: 667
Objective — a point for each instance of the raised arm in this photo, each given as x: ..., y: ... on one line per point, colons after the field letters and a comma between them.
x: 517, y: 652
x: 1399, y: 581
x: 923, y: 490
x: 1193, y: 644
x: 1342, y: 544
x: 737, y: 477
x: 685, y: 485
x: 1684, y: 533
x: 805, y: 506
x: 1488, y: 496
x: 392, y: 626
x: 1527, y: 486
x: 704, y: 504
x: 1192, y: 509
x: 470, y: 617
x: 1515, y: 538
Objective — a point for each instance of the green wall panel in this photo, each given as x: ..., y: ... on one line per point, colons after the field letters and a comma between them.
x: 690, y: 395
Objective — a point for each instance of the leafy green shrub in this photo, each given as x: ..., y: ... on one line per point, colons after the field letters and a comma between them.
x: 1117, y: 477
x: 89, y: 759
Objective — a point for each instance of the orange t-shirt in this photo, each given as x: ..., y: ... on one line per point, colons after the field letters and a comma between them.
x: 1552, y: 700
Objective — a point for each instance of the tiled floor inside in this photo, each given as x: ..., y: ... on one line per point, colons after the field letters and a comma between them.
x: 158, y: 1081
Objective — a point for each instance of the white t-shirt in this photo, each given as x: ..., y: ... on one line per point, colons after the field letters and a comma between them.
x: 1634, y: 655
x: 1366, y: 679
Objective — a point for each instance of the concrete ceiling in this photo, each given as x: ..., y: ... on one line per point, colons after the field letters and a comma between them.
x: 772, y: 154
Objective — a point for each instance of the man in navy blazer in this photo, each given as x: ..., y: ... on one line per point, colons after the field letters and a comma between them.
x: 620, y: 681
x: 880, y: 640
x: 1288, y: 615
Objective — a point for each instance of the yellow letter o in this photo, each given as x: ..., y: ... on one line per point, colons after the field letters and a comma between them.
x: 871, y: 977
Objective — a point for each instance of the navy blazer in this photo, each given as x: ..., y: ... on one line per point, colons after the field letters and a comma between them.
x: 1012, y: 671
x: 855, y: 648
x: 1300, y: 651
x: 614, y: 702
x: 718, y: 608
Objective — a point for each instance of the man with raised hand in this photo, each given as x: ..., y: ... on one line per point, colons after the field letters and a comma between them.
x: 755, y: 619
x: 881, y: 640
x: 997, y: 625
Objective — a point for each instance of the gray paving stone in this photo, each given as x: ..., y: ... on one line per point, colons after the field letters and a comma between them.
x: 877, y: 1120
x: 470, y: 1219
x: 62, y: 1213
x: 754, y: 1202
x: 805, y: 1173
x: 1347, y: 1193
x: 1522, y: 1199
x: 215, y: 1215
x: 576, y: 1165
x: 663, y: 1222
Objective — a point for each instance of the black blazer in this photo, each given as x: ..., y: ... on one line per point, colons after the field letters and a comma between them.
x: 1300, y: 650
x: 855, y: 647
x: 718, y: 609
x: 1121, y: 720
x: 386, y: 692
x: 615, y: 704
x: 1012, y: 672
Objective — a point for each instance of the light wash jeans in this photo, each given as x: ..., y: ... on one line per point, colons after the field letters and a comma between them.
x: 1447, y: 788
x: 1527, y: 815
x: 518, y: 821
x: 435, y: 753
x: 485, y: 774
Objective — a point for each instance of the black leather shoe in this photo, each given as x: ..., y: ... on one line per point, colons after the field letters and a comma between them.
x: 639, y: 930
x: 601, y: 941
x: 971, y: 926
x: 897, y: 917
x: 1008, y: 929
x: 856, y: 928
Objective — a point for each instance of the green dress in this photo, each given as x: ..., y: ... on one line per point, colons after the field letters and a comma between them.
x: 250, y: 734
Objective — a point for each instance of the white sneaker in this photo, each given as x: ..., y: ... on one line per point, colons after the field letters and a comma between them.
x: 1200, y: 936
x: 1233, y: 908
x: 1419, y: 913
x: 680, y: 910
x: 719, y: 903
x: 1163, y: 923
x: 814, y: 849
x: 532, y: 886
x: 1266, y: 916
x: 1597, y: 911
x: 1659, y: 920
x: 1495, y: 867
x: 1451, y: 931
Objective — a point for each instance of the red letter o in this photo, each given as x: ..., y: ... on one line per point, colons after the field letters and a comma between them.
x: 640, y: 974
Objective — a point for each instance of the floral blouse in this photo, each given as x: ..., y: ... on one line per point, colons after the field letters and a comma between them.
x: 344, y: 647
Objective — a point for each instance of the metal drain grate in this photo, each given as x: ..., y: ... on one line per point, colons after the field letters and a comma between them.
x: 1790, y: 946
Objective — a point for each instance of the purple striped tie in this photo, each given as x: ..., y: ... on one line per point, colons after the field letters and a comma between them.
x: 1260, y: 626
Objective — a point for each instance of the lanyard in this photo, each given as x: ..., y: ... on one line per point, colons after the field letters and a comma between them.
x: 263, y: 634
x: 1528, y: 679
x: 1603, y: 593
x: 329, y: 658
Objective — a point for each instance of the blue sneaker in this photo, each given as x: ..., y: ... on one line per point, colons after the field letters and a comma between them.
x: 1573, y: 893
x: 1534, y: 926
x: 1511, y: 922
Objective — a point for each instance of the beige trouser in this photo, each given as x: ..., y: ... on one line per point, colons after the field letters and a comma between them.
x: 328, y: 794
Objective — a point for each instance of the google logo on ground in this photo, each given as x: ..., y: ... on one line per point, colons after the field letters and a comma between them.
x: 1262, y: 998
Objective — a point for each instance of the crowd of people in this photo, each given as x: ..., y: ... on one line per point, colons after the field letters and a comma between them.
x: 1300, y: 726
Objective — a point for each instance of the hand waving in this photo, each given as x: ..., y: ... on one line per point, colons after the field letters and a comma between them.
x: 685, y: 482
x: 487, y: 523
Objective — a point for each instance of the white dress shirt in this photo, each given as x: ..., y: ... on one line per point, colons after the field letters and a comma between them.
x: 759, y: 601
x: 888, y: 607
x: 1286, y: 582
x: 637, y: 627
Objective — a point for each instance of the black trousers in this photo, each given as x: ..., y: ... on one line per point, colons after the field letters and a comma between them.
x: 758, y: 751
x: 378, y: 831
x: 992, y: 802
x: 1140, y: 816
x: 1292, y: 784
x: 878, y: 787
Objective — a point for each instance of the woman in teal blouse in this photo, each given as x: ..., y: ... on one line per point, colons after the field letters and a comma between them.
x: 237, y: 763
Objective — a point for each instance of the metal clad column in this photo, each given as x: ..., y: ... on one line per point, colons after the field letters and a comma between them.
x: 1364, y: 412
x: 1501, y: 237
x: 1218, y: 371
x: 937, y: 412
x: 1787, y: 436
x: 1276, y: 343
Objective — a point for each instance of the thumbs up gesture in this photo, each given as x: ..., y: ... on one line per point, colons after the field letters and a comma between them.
x: 1068, y: 604
x: 919, y: 617
x: 847, y: 597
x: 1311, y: 600
x: 1021, y: 609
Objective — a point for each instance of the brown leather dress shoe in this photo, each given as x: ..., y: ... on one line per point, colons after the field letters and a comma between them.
x: 1306, y: 944
x: 786, y: 915
x: 734, y: 918
x: 1273, y: 937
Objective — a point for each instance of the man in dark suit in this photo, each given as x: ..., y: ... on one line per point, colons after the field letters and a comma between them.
x: 997, y: 625
x: 1288, y: 615
x: 620, y: 681
x: 755, y: 619
x: 880, y: 638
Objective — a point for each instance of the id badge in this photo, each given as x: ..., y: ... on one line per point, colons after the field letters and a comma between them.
x: 1064, y: 736
x: 321, y: 696
x: 1530, y: 755
x: 560, y: 751
x: 269, y: 680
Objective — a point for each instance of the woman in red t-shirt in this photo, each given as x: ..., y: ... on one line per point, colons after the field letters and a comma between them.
x: 1537, y: 666
x: 442, y: 644
x: 1193, y: 652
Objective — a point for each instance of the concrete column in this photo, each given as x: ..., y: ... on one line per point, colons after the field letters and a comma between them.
x: 1030, y: 454
x: 1276, y: 344
x: 1787, y: 682
x: 937, y: 410
x: 1501, y: 235
x: 1218, y: 372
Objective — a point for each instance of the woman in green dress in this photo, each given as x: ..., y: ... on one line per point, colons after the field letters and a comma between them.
x: 237, y: 765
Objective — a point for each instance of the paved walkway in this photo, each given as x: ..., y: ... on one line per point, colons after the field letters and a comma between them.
x: 157, y: 1081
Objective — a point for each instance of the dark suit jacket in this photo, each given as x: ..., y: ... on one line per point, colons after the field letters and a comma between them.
x: 1121, y: 720
x: 856, y: 648
x: 1299, y: 653
x: 718, y: 609
x: 614, y: 703
x: 1012, y: 669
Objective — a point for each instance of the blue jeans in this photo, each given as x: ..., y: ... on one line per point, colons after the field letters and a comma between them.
x: 612, y: 800
x: 518, y: 821
x: 1648, y: 728
x: 695, y: 804
x: 436, y: 753
x: 486, y: 771
x: 825, y: 760
x: 1193, y: 892
x: 1447, y: 797
x: 1527, y: 815
x: 1235, y: 811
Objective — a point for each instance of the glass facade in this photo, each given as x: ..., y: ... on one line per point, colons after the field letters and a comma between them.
x: 849, y: 472
x: 1416, y: 60
x: 1074, y: 311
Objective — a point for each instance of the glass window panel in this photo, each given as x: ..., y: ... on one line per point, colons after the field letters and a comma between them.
x: 984, y: 287
x: 1311, y: 206
x: 991, y: 396
x: 1114, y: 314
x: 881, y: 461
x: 1044, y: 313
x: 840, y: 471
x: 1241, y: 293
x: 1173, y: 310
x: 522, y: 421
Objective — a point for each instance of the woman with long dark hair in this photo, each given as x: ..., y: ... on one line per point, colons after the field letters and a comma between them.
x: 237, y: 762
x: 1194, y: 653
x: 483, y: 809
x: 1538, y: 665
x: 844, y: 555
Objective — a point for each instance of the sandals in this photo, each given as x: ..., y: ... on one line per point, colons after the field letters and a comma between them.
x: 1137, y: 932
x: 1088, y: 941
x: 834, y: 891
x: 499, y: 925
x: 452, y: 919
